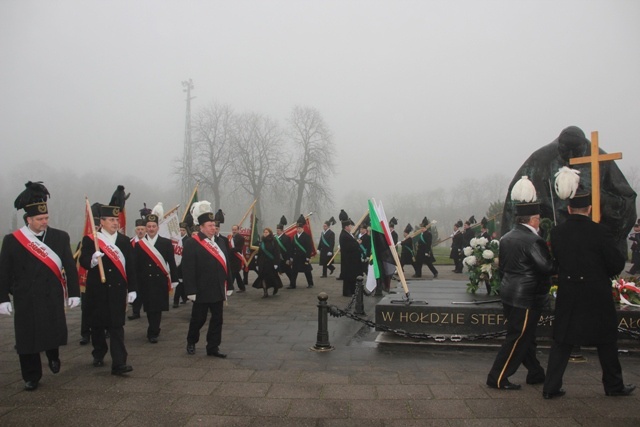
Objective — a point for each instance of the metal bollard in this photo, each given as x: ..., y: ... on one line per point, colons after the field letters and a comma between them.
x: 360, y: 297
x: 322, y: 339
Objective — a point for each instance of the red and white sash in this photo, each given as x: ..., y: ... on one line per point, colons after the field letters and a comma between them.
x: 43, y: 253
x: 113, y: 252
x: 237, y: 254
x: 157, y: 258
x: 213, y: 248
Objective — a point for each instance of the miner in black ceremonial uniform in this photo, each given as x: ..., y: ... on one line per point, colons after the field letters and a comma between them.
x: 107, y: 300
x: 179, y: 295
x: 424, y: 252
x: 157, y: 274
x: 457, y: 246
x: 585, y: 313
x: 236, y: 259
x: 286, y: 249
x: 526, y: 267
x: 140, y: 230
x: 350, y: 267
x: 364, y: 240
x: 38, y: 270
x: 206, y: 273
x: 407, y: 253
x: 325, y: 246
x: 302, y: 248
x: 392, y: 225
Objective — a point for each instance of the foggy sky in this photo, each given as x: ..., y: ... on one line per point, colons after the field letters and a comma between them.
x: 435, y: 91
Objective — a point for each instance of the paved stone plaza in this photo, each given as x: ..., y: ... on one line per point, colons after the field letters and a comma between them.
x: 272, y: 378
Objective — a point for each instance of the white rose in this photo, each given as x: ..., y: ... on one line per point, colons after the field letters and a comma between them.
x: 470, y: 261
x: 473, y: 242
x: 467, y: 251
x: 482, y: 241
x: 487, y: 254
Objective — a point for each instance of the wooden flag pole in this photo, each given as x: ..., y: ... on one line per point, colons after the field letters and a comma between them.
x: 247, y: 213
x: 103, y: 279
x: 170, y: 212
x: 184, y: 215
x: 473, y: 226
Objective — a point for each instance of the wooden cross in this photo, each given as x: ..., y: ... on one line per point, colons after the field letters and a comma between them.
x: 595, y: 158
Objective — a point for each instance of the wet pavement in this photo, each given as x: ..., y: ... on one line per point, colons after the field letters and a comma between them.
x: 271, y: 376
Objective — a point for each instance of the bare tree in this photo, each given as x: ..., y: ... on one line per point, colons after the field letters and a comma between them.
x: 256, y: 154
x: 213, y: 134
x: 313, y: 165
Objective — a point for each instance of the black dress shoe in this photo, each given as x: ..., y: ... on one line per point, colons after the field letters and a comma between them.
x: 309, y: 286
x: 31, y: 385
x: 85, y: 340
x: 153, y: 340
x: 121, y: 369
x: 625, y: 391
x: 54, y: 365
x: 97, y: 363
x: 506, y: 386
x: 553, y: 394
x: 176, y: 305
x: 191, y: 349
x: 323, y: 277
x: 216, y: 354
x: 134, y: 316
x: 291, y: 287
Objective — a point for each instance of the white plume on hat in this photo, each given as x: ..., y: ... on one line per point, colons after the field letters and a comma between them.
x: 523, y: 191
x: 199, y: 208
x: 158, y: 210
x: 567, y: 181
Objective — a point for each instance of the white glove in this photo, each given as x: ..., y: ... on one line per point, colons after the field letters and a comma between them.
x: 255, y: 256
x: 329, y: 253
x: 73, y: 302
x: 275, y: 266
x: 131, y: 297
x: 399, y: 244
x: 94, y: 258
x: 173, y: 285
x: 192, y: 297
x: 179, y: 280
x: 5, y: 308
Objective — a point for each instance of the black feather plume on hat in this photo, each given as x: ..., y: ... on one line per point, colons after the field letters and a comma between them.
x: 331, y: 221
x: 119, y: 197
x: 283, y: 220
x: 424, y: 222
x: 393, y: 221
x: 301, y: 221
x: 219, y: 216
x: 144, y: 211
x: 408, y: 229
x: 484, y: 221
x: 472, y: 220
x: 34, y: 192
x: 343, y: 216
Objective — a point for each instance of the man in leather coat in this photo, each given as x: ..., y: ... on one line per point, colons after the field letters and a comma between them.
x: 525, y: 266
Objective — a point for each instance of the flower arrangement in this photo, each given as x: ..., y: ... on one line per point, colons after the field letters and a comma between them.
x: 625, y: 292
x: 481, y: 259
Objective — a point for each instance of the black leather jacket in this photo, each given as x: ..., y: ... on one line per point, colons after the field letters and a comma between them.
x: 526, y: 266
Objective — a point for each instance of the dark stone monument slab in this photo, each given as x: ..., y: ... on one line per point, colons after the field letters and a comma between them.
x: 442, y: 317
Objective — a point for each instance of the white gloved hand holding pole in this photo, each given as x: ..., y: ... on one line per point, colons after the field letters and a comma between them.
x: 5, y: 308
x: 73, y: 302
x: 131, y: 297
x: 192, y: 297
x: 94, y: 258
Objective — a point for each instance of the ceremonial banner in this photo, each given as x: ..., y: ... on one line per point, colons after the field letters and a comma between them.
x: 293, y: 229
x: 88, y: 231
x: 382, y: 262
x: 169, y: 227
x: 250, y: 230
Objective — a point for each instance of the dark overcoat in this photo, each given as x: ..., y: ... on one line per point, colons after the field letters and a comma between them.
x: 302, y: 247
x: 423, y: 247
x: 587, y: 258
x: 407, y: 254
x: 236, y: 252
x: 152, y: 282
x: 38, y: 296
x: 185, y: 238
x: 107, y: 302
x: 325, y: 246
x: 457, y: 245
x: 267, y: 258
x: 203, y: 275
x: 350, y: 264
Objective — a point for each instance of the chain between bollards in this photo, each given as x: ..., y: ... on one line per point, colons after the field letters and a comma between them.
x: 322, y: 339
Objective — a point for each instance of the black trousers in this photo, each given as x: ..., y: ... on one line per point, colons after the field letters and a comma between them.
x: 609, y: 362
x: 85, y: 329
x: 329, y: 267
x: 348, y: 287
x: 154, y: 318
x: 136, y: 306
x: 179, y: 293
x: 236, y: 277
x: 31, y: 364
x: 429, y: 264
x: 116, y: 339
x: 519, y: 347
x: 199, y: 317
x: 294, y: 277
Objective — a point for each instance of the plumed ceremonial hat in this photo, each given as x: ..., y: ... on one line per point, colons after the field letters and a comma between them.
x: 219, y: 217
x: 524, y: 194
x: 301, y: 222
x: 343, y: 216
x: 393, y: 222
x: 107, y: 211
x: 331, y: 221
x: 153, y: 218
x: 158, y: 210
x: 472, y: 220
x: 408, y: 229
x: 183, y: 225
x: 201, y: 210
x: 424, y: 222
x: 459, y: 223
x: 33, y: 199
x: 140, y: 223
x: 144, y: 211
x: 282, y: 223
x: 95, y: 213
x: 484, y: 221
x: 119, y: 197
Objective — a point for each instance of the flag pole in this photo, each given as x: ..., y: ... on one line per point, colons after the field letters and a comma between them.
x: 356, y: 227
x: 103, y: 279
x: 184, y: 215
x: 473, y: 226
x: 247, y: 213
x: 170, y: 212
